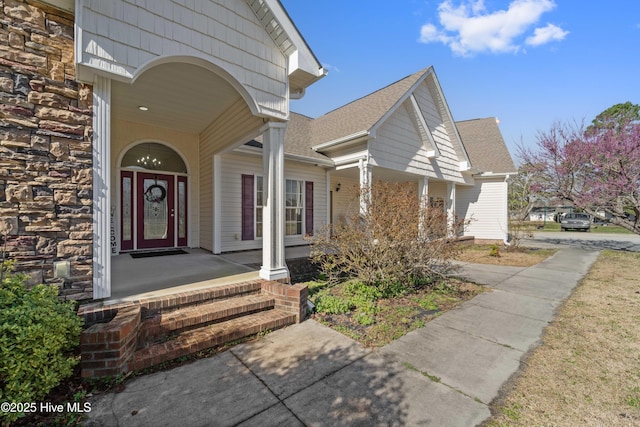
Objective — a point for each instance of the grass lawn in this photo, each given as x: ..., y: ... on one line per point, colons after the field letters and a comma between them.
x: 587, y: 371
x: 554, y: 226
x: 499, y: 255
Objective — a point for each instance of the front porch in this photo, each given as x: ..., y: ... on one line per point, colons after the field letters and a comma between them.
x: 162, y: 275
x: 220, y: 299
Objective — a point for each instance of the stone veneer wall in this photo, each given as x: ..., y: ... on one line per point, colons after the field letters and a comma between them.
x: 45, y: 147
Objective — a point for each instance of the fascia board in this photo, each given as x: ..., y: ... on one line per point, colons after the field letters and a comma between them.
x: 344, y: 141
x: 255, y: 151
x: 450, y: 117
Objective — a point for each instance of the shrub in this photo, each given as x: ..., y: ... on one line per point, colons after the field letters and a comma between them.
x: 350, y: 296
x: 397, y: 242
x: 494, y: 250
x: 38, y: 331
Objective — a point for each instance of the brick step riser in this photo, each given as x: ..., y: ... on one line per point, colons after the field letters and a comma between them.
x: 152, y: 331
x: 153, y: 308
x: 110, y: 343
x: 180, y: 348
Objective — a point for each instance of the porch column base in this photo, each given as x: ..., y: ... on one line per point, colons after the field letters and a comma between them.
x: 276, y: 274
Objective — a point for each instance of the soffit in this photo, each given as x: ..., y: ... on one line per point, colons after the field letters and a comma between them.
x: 179, y: 96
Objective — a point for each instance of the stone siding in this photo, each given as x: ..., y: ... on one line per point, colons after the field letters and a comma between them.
x: 45, y: 147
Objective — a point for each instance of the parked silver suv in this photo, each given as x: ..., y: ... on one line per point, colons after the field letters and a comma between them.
x: 575, y: 221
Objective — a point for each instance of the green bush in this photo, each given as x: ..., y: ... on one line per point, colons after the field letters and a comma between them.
x: 331, y: 304
x: 38, y: 331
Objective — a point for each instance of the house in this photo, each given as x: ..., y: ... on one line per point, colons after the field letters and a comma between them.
x: 549, y: 213
x: 485, y: 203
x: 543, y: 213
x: 130, y: 125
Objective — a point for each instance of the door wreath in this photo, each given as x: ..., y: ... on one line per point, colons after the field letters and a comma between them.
x: 155, y: 193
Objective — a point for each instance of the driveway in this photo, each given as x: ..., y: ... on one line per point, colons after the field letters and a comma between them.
x: 590, y: 241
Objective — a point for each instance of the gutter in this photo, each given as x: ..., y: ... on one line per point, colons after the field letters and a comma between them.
x: 353, y: 138
x: 296, y: 157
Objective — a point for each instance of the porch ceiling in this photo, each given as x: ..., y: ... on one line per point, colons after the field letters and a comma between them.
x: 179, y: 96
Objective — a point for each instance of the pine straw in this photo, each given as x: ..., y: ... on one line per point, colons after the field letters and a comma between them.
x: 587, y: 372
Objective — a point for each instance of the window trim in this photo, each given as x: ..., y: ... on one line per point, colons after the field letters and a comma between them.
x: 301, y: 186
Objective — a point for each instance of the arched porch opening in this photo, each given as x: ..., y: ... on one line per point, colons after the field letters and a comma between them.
x: 181, y: 114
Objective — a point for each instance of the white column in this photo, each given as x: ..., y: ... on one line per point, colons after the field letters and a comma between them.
x: 274, y: 266
x: 423, y: 191
x: 101, y: 192
x: 328, y: 193
x: 365, y: 184
x: 423, y: 197
x: 451, y: 202
x: 217, y: 204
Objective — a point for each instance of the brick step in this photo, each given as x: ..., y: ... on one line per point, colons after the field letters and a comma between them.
x: 152, y: 305
x: 195, y: 340
x: 164, y: 323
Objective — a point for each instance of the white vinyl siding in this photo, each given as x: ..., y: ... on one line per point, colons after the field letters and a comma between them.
x: 119, y: 37
x: 399, y: 146
x: 345, y: 201
x: 485, y: 204
x: 234, y: 165
x: 226, y: 130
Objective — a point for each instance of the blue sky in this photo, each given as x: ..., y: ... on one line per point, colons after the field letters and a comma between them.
x: 527, y: 62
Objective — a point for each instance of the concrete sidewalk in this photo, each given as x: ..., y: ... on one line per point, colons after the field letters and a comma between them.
x: 444, y: 374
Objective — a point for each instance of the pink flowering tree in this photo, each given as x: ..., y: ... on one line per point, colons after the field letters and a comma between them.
x: 597, y: 169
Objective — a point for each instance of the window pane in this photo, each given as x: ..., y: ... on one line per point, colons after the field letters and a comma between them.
x: 155, y: 209
x: 259, y: 191
x: 258, y: 221
x: 293, y: 207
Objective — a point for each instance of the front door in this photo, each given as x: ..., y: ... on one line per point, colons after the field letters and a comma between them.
x: 155, y: 210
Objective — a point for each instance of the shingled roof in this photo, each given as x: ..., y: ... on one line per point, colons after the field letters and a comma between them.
x: 485, y: 145
x: 298, y: 138
x: 362, y: 114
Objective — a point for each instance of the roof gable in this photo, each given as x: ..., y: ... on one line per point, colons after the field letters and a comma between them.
x: 360, y: 116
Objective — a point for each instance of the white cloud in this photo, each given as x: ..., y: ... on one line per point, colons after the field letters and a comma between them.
x: 469, y: 28
x: 330, y: 67
x: 545, y: 35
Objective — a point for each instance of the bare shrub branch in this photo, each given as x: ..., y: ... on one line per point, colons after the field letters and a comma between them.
x: 399, y: 239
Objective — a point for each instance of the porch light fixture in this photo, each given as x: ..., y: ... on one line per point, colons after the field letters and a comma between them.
x: 61, y: 269
x: 143, y: 108
x: 338, y: 187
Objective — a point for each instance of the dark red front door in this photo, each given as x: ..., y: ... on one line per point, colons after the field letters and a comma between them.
x: 155, y: 210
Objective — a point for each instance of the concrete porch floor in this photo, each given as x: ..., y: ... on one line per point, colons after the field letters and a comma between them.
x: 154, y: 276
